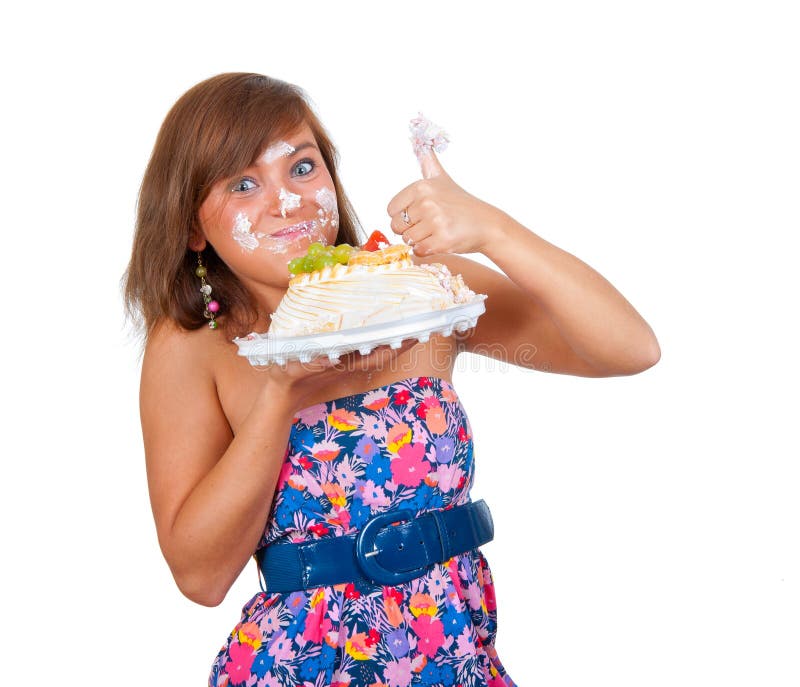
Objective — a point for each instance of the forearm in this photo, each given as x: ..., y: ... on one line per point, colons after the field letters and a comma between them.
x: 598, y: 322
x: 220, y: 524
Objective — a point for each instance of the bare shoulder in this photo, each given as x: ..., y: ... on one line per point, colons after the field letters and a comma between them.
x: 175, y: 355
x: 169, y: 336
x: 184, y: 429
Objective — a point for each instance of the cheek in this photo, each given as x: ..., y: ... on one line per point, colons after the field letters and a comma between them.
x: 241, y: 232
x: 327, y: 210
x: 220, y: 224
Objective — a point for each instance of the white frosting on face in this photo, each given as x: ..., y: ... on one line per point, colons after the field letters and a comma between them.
x: 241, y: 232
x: 312, y: 230
x: 328, y: 212
x: 276, y: 150
x: 289, y: 201
x: 326, y: 199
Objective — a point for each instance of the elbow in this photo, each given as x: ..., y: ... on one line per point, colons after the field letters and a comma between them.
x: 194, y: 580
x: 651, y: 351
x: 642, y: 356
x: 632, y: 365
x: 197, y: 586
x: 653, y: 355
x: 199, y: 590
x: 648, y: 360
x: 205, y: 599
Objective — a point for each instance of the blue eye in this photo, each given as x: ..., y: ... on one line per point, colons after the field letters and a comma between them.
x: 304, y: 168
x: 239, y: 186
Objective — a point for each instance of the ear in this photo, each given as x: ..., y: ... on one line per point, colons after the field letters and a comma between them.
x: 197, y: 241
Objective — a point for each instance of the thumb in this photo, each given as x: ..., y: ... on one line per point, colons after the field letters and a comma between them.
x: 429, y: 164
x: 425, y: 137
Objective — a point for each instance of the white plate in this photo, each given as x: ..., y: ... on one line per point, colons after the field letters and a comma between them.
x: 259, y: 349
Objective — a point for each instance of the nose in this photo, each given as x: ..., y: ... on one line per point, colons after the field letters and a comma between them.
x: 288, y: 201
x: 281, y: 201
x: 272, y: 201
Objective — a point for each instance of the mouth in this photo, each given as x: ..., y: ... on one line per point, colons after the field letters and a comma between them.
x: 295, y: 229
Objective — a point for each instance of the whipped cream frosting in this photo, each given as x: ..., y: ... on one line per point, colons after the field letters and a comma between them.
x: 347, y: 296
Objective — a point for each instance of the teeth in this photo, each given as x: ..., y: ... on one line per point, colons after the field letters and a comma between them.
x: 345, y: 296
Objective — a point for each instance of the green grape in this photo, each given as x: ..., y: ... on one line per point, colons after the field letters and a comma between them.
x: 315, y: 248
x: 324, y: 260
x: 308, y: 263
x: 296, y: 265
x: 342, y: 253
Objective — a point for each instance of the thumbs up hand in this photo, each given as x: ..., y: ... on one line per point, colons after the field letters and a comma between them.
x: 434, y: 214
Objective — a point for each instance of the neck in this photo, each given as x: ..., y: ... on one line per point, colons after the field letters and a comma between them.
x: 266, y: 299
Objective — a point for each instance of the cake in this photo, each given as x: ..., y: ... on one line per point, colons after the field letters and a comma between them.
x: 374, y: 286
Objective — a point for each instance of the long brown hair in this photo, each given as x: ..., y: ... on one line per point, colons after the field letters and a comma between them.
x: 214, y: 130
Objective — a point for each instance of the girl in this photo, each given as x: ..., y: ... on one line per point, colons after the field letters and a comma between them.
x: 285, y: 461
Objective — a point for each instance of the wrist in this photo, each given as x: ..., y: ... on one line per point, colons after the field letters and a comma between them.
x: 499, y: 229
x: 276, y: 398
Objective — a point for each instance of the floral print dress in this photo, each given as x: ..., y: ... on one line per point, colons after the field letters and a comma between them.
x: 403, y: 445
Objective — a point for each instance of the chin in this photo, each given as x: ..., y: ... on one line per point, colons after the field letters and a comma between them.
x: 290, y: 249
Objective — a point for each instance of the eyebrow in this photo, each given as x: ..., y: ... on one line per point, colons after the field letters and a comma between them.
x: 303, y: 146
x: 297, y: 149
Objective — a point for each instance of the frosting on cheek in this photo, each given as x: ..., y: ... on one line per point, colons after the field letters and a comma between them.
x: 328, y: 212
x: 276, y: 150
x: 241, y: 232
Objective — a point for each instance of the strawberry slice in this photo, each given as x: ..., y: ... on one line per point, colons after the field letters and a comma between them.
x: 376, y: 241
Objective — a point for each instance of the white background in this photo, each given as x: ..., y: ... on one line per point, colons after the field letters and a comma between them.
x: 646, y: 526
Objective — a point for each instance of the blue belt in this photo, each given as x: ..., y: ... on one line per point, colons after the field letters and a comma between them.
x: 378, y: 553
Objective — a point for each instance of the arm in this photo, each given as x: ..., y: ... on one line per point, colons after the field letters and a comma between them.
x: 594, y: 319
x: 210, y: 492
x: 552, y: 312
x: 550, y: 301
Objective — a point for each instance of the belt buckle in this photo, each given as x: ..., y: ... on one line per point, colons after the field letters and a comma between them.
x: 366, y: 549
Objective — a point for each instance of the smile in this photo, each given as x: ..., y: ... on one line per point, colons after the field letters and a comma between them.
x: 299, y: 228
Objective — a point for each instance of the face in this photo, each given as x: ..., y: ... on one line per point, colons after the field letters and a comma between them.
x: 269, y: 213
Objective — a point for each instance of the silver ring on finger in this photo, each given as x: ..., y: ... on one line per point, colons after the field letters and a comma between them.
x: 404, y: 215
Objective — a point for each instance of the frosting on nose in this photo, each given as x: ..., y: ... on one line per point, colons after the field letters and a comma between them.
x: 289, y: 201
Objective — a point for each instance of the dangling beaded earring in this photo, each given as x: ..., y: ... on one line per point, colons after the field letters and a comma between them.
x: 211, y: 306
